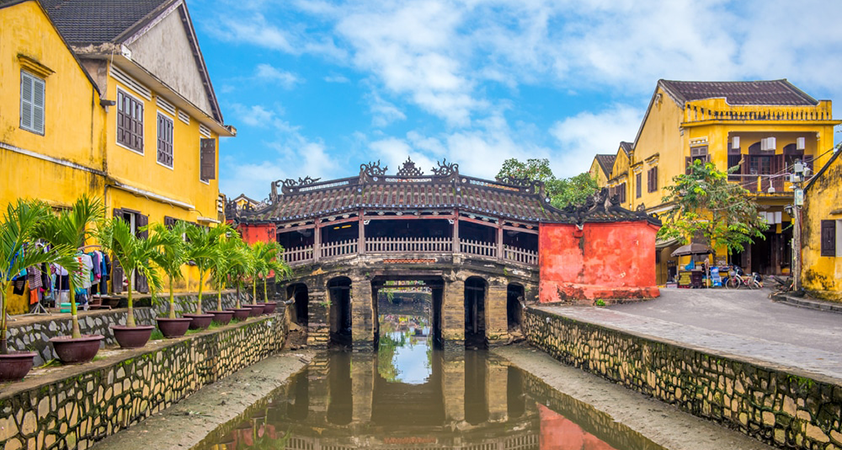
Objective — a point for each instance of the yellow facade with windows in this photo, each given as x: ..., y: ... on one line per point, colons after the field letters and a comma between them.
x: 821, y: 265
x: 741, y: 124
x: 77, y: 149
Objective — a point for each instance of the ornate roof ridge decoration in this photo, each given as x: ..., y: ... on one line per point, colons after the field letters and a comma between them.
x: 601, y: 204
x: 445, y: 169
x: 372, y: 171
x: 409, y: 170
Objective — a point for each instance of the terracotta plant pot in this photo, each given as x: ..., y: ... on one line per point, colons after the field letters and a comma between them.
x: 269, y: 307
x: 256, y: 310
x: 132, y: 337
x: 222, y: 317
x: 241, y: 313
x: 79, y: 350
x: 173, y: 328
x: 200, y: 321
x: 14, y: 366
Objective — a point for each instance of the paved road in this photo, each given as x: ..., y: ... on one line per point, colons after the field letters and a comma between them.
x: 741, y: 322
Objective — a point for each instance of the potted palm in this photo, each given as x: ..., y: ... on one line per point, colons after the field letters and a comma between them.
x: 239, y: 269
x: 202, y: 249
x: 72, y: 228
x: 272, y: 264
x: 134, y: 255
x: 171, y: 257
x: 221, y: 268
x: 18, y: 231
x: 259, y: 252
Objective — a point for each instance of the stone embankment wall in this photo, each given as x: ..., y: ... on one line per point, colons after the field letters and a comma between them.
x: 780, y: 407
x: 34, y: 334
x: 78, y: 405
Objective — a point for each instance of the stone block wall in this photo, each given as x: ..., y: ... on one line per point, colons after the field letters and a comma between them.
x: 78, y: 405
x: 35, y: 334
x: 773, y: 404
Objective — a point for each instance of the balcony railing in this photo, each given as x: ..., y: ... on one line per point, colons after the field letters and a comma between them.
x: 761, y: 184
x: 401, y: 246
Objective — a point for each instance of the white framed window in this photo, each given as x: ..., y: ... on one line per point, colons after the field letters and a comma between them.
x: 129, y: 121
x: 32, y: 96
x: 165, y: 140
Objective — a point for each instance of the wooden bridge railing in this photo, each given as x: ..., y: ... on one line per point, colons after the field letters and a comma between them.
x: 382, y: 245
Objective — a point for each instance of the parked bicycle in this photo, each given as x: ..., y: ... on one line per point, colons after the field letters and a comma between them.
x: 737, y: 279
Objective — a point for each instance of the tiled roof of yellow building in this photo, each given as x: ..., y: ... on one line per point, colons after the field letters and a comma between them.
x: 767, y: 92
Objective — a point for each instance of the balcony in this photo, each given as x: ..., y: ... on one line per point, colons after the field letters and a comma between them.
x: 761, y: 184
x: 403, y: 246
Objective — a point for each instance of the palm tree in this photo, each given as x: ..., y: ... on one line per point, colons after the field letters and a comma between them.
x: 18, y: 233
x: 172, y: 255
x: 202, y: 249
x: 265, y: 261
x: 133, y: 254
x: 240, y: 264
x: 72, y: 228
x: 220, y: 267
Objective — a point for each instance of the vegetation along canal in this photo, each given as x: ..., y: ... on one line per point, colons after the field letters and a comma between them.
x: 409, y: 394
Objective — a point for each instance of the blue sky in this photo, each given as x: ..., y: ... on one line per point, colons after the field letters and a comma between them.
x: 316, y: 88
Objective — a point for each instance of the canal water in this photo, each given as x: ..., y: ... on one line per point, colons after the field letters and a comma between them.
x: 408, y: 395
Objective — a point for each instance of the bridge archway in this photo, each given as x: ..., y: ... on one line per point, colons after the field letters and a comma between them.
x: 339, y: 291
x: 476, y: 290
x: 300, y: 295
x: 515, y: 293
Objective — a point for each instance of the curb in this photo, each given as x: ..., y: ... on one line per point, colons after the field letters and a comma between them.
x: 818, y: 305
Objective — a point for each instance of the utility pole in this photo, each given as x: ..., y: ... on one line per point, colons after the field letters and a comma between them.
x: 799, y: 172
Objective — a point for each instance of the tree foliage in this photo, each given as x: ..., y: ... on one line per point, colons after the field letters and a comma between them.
x: 562, y: 192
x: 707, y: 204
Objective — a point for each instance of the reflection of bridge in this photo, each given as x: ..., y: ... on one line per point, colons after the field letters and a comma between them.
x: 473, y: 242
x: 470, y: 402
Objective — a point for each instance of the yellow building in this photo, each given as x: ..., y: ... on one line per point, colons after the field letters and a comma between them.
x: 821, y: 265
x: 601, y: 169
x: 761, y: 126
x: 123, y: 106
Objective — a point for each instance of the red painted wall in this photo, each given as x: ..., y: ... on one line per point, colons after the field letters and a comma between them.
x: 252, y: 233
x: 559, y: 433
x: 603, y: 260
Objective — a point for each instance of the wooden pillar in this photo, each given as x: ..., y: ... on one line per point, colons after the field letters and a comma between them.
x: 317, y: 241
x: 361, y: 240
x: 456, y: 248
x: 499, y: 239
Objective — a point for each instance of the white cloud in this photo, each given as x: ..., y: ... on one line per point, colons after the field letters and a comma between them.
x: 383, y: 112
x: 337, y: 79
x: 286, y: 80
x: 582, y: 136
x: 294, y: 156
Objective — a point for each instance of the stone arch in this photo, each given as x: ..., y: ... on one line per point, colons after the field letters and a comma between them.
x: 339, y: 315
x: 515, y: 296
x: 300, y: 295
x: 476, y: 291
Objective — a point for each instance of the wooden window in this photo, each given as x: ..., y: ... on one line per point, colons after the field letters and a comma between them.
x: 638, y: 185
x: 734, y: 159
x: 652, y: 179
x: 169, y: 222
x: 165, y: 140
x: 129, y: 121
x: 621, y: 193
x: 828, y: 238
x: 207, y: 162
x: 696, y: 153
x: 31, y: 102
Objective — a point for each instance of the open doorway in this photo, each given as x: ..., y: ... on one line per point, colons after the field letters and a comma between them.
x: 475, y: 289
x: 339, y: 290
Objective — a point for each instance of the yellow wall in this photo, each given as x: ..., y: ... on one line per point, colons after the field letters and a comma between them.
x: 670, y: 130
x: 822, y: 275
x: 596, y: 172
x: 78, y: 152
x: 72, y: 114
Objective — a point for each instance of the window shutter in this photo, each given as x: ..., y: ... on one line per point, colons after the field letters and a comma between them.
x: 26, y: 101
x: 687, y: 162
x: 828, y: 238
x: 169, y: 222
x: 141, y: 222
x: 116, y: 270
x: 38, y: 105
x: 638, y: 184
x: 208, y: 159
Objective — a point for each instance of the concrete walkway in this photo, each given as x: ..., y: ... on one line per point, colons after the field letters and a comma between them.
x: 743, y: 323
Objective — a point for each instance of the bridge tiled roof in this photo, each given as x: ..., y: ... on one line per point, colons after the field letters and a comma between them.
x: 411, y: 191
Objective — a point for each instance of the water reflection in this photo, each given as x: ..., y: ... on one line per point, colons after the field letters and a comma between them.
x: 409, y: 395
